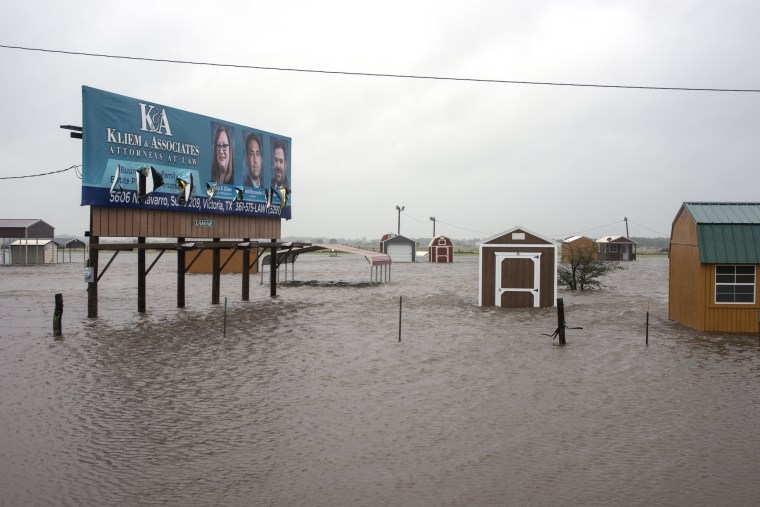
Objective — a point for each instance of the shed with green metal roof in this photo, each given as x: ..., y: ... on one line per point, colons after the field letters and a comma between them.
x: 714, y: 260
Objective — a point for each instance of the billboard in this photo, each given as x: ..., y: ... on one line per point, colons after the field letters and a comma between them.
x: 140, y: 154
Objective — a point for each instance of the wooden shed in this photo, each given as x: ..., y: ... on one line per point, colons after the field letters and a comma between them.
x: 616, y: 248
x: 518, y: 269
x: 399, y: 248
x: 574, y: 245
x: 33, y: 251
x: 441, y: 249
x: 714, y: 259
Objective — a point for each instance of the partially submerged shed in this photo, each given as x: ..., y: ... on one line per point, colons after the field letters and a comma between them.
x: 714, y: 259
x: 518, y: 269
x: 441, y: 249
x: 574, y: 246
x: 33, y: 251
x: 399, y: 248
x: 12, y: 229
x: 616, y: 248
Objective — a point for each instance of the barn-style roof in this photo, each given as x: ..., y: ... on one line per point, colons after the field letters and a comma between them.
x: 727, y: 233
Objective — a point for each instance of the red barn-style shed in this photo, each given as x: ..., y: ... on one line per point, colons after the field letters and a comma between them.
x: 441, y: 249
x: 518, y: 269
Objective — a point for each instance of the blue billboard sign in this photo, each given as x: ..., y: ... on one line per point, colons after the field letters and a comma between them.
x: 140, y: 154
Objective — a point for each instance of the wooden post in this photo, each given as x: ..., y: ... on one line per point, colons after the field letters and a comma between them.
x: 215, y: 274
x: 647, y: 338
x: 140, y: 276
x: 400, y: 298
x: 92, y: 287
x: 58, y: 315
x: 561, y: 320
x: 224, y: 332
x: 246, y: 271
x: 180, y: 274
x: 272, y: 268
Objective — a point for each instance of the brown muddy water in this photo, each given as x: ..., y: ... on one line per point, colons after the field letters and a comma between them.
x: 310, y: 399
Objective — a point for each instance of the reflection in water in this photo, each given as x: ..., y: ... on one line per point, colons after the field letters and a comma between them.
x: 310, y: 399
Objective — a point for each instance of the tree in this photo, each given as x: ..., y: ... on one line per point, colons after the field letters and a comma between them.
x: 582, y: 269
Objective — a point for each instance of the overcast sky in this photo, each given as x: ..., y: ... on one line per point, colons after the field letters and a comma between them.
x: 480, y: 157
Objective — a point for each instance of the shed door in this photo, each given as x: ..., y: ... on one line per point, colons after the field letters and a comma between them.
x: 518, y: 279
x: 442, y: 254
x: 625, y: 252
x: 400, y: 252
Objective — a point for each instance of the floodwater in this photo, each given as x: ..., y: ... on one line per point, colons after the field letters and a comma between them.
x: 310, y: 398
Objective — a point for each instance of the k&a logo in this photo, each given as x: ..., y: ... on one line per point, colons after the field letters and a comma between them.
x: 154, y: 120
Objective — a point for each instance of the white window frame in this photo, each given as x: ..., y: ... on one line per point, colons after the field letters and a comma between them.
x: 753, y: 284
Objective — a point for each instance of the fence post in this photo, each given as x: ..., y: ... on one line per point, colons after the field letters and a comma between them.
x: 58, y: 315
x: 561, y: 320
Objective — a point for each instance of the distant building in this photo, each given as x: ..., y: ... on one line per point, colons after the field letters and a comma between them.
x: 399, y: 248
x: 518, y: 269
x: 33, y: 251
x: 67, y: 245
x: 575, y: 244
x: 616, y: 248
x: 714, y: 259
x: 12, y: 229
x: 441, y: 249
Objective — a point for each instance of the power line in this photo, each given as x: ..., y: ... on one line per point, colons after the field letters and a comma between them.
x: 444, y: 223
x: 377, y: 74
x: 75, y: 167
x: 567, y: 234
x: 647, y: 228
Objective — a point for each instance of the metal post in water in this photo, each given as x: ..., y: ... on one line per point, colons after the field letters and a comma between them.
x: 399, y: 318
x: 58, y: 315
x: 224, y: 331
x: 561, y: 320
x: 647, y: 339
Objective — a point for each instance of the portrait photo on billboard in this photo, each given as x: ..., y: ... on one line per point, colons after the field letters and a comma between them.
x: 253, y: 146
x: 280, y: 150
x: 223, y: 165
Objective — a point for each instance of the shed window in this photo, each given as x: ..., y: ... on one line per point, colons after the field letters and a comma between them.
x: 735, y: 284
x: 613, y: 248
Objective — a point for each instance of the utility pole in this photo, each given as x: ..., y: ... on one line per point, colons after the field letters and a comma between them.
x: 433, y: 219
x: 399, y: 209
x: 626, y: 227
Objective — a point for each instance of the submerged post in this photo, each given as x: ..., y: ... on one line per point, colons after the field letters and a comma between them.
x: 647, y: 336
x: 58, y: 315
x: 180, y: 274
x: 246, y: 275
x: 561, y: 320
x: 92, y: 286
x: 224, y: 331
x: 140, y: 275
x: 399, y: 318
x: 215, y: 270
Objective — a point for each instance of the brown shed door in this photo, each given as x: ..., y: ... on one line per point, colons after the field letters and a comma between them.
x: 518, y: 280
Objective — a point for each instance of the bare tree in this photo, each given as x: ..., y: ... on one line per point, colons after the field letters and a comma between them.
x: 582, y: 269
